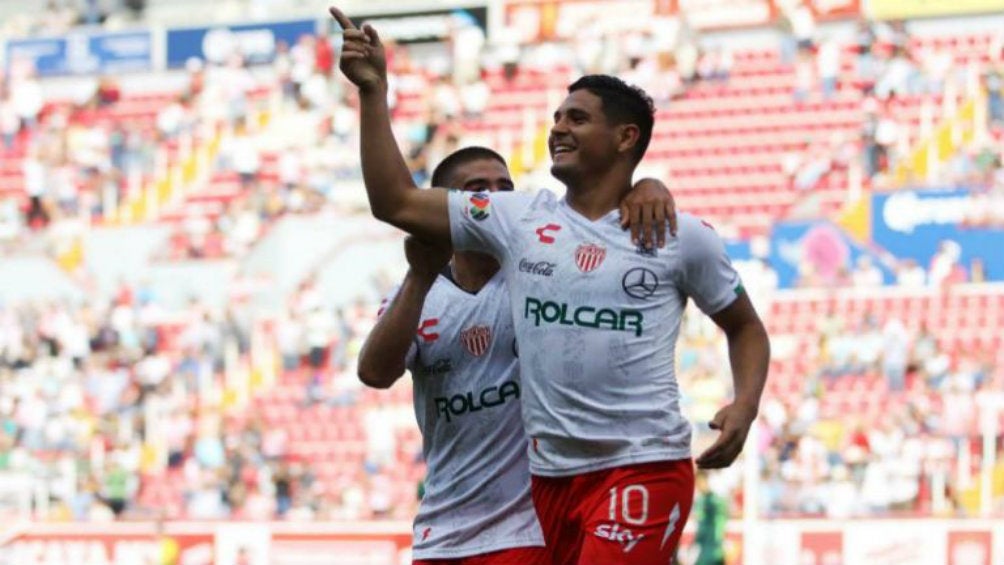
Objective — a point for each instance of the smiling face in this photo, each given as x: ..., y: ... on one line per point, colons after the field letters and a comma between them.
x: 582, y: 140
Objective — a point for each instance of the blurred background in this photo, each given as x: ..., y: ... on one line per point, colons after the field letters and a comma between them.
x: 188, y: 266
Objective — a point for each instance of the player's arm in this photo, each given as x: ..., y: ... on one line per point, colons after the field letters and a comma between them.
x: 749, y: 357
x: 708, y: 277
x: 392, y: 193
x: 384, y: 356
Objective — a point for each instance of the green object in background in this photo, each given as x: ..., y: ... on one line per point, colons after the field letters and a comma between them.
x: 711, y: 513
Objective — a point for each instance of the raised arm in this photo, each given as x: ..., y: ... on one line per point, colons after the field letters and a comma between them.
x: 383, y: 358
x: 392, y: 193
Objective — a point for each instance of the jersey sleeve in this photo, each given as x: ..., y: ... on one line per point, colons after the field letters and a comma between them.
x: 706, y: 273
x: 482, y: 221
x: 409, y: 359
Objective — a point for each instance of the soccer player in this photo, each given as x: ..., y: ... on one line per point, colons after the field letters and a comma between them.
x: 477, y: 507
x: 612, y: 475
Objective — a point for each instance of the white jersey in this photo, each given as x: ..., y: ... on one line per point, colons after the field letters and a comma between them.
x: 467, y: 402
x: 597, y: 320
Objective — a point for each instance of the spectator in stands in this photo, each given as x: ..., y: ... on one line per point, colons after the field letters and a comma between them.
x: 895, y: 354
x: 26, y: 98
x: 805, y: 77
x: 714, y: 66
x: 864, y: 64
x: 828, y: 66
x: 10, y: 122
x: 909, y: 274
x: 866, y: 274
x: 173, y: 119
x: 887, y: 137
x: 803, y: 26
x: 108, y: 92
x: 993, y: 81
x: 946, y: 267
x: 899, y: 77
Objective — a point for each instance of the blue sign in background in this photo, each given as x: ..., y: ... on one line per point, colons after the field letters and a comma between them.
x: 913, y: 223
x: 256, y: 41
x: 820, y: 243
x: 83, y: 53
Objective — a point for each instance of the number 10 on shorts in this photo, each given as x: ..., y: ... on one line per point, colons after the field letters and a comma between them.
x: 623, y: 503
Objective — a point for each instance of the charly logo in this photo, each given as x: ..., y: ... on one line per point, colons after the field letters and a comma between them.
x: 542, y: 268
x: 544, y: 233
x: 476, y: 340
x: 423, y: 330
x: 589, y: 256
x: 640, y: 282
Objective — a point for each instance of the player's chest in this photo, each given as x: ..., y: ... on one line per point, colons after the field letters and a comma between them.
x: 453, y: 336
x: 565, y: 259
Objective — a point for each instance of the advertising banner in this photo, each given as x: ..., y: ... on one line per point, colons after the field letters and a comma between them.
x: 822, y: 548
x: 835, y: 9
x: 915, y: 541
x: 818, y: 250
x: 423, y: 27
x: 538, y: 20
x: 913, y: 224
x: 113, y: 546
x: 969, y: 547
x: 714, y: 14
x: 904, y: 9
x: 257, y: 41
x: 83, y: 53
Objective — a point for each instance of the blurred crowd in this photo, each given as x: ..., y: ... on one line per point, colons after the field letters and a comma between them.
x: 124, y: 410
x: 869, y: 423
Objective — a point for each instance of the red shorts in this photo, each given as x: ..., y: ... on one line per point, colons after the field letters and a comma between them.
x: 631, y: 515
x: 514, y: 556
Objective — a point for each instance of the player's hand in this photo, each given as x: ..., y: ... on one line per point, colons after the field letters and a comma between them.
x: 363, y: 59
x: 733, y: 422
x: 425, y: 259
x: 646, y: 209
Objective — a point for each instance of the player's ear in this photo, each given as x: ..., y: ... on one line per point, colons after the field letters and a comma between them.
x: 628, y: 136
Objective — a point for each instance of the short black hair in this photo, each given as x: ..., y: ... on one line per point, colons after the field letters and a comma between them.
x: 448, y: 166
x: 623, y: 103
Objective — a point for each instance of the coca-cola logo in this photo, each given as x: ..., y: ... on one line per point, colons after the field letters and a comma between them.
x: 437, y: 367
x: 542, y: 268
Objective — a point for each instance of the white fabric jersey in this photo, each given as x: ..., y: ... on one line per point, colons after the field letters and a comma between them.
x: 597, y: 320
x: 467, y: 403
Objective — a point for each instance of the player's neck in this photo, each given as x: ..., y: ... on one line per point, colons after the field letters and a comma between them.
x: 472, y: 271
x: 596, y: 199
x: 595, y: 195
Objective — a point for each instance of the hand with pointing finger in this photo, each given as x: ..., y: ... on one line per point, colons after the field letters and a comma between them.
x: 363, y: 60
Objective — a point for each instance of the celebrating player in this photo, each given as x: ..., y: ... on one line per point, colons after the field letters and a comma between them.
x: 612, y: 481
x: 477, y: 506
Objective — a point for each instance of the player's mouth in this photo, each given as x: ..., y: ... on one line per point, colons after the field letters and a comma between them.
x: 559, y: 150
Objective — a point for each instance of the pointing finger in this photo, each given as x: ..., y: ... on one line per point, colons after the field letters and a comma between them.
x: 341, y: 18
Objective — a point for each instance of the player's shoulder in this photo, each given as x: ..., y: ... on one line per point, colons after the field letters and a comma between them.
x: 691, y: 225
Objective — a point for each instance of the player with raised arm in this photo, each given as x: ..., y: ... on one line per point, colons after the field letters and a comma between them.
x: 477, y: 507
x: 612, y: 476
